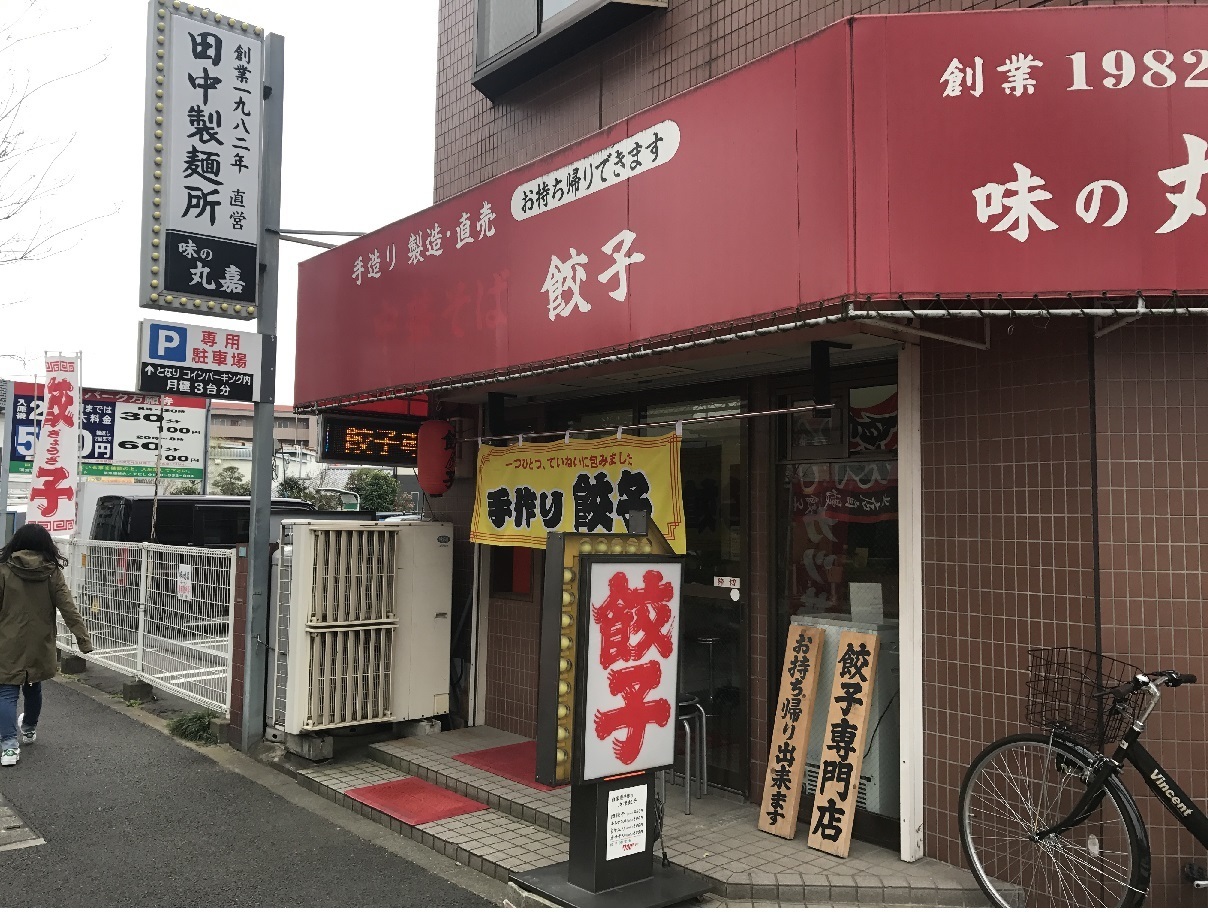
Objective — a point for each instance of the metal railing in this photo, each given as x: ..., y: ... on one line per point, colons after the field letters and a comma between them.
x: 159, y: 613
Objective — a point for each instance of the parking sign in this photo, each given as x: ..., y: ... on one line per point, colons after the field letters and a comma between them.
x: 191, y: 360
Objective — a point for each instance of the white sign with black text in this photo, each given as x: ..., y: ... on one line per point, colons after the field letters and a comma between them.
x: 204, y: 126
x: 193, y: 360
x: 626, y: 828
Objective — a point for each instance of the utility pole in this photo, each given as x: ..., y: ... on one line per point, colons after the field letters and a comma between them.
x: 255, y: 666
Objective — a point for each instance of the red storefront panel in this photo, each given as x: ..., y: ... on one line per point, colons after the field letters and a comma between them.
x: 1076, y: 98
x: 1022, y: 152
x: 717, y: 226
x: 824, y: 163
x: 720, y: 221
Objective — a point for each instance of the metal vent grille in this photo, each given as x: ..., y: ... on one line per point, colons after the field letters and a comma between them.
x: 811, y: 785
x: 341, y: 622
x: 353, y: 576
x: 349, y: 676
x: 285, y: 575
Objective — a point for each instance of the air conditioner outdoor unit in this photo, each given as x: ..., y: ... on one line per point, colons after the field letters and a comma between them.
x: 362, y: 623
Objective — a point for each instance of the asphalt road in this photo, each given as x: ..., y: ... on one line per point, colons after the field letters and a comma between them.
x: 133, y: 818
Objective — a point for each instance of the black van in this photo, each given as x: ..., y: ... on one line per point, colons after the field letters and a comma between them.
x: 199, y: 521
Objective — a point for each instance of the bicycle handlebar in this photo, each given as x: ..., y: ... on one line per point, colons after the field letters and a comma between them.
x: 1168, y: 678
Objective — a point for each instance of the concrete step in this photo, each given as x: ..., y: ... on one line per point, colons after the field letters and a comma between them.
x: 547, y: 810
x: 718, y: 841
x: 489, y: 841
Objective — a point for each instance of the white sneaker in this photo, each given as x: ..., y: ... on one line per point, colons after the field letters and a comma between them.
x: 27, y: 736
x: 10, y: 756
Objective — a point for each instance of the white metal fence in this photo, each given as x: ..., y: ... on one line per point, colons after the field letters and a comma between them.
x: 159, y: 613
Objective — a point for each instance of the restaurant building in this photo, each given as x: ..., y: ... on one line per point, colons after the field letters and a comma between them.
x: 921, y: 293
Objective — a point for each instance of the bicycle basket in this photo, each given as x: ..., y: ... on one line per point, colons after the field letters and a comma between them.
x: 1062, y: 695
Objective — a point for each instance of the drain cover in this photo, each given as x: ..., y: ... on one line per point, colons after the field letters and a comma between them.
x: 14, y: 834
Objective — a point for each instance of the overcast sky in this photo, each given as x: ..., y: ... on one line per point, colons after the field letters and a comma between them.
x: 360, y: 100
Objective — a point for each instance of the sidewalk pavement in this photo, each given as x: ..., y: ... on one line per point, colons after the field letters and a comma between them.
x: 132, y: 817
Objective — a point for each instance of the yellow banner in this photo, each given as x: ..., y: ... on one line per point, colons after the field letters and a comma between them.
x: 528, y: 490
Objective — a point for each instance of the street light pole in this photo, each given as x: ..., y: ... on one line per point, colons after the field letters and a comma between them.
x: 255, y: 665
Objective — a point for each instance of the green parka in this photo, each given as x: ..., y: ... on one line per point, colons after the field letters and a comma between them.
x: 31, y: 588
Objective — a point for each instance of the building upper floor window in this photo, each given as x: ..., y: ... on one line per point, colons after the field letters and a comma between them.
x: 518, y: 39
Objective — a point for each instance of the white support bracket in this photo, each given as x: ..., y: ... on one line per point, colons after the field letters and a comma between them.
x: 915, y: 331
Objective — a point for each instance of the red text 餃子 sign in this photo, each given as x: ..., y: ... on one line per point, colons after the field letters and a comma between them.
x: 632, y: 651
x: 52, y: 501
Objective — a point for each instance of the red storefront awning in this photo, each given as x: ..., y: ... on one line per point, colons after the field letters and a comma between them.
x: 1029, y: 152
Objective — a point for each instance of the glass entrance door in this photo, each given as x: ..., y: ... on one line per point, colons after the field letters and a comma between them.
x: 713, y: 626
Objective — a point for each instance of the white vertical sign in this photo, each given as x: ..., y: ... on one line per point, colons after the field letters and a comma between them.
x: 632, y: 654
x: 203, y: 142
x: 52, y: 494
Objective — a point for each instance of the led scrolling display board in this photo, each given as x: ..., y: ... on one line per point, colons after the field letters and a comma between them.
x: 369, y: 441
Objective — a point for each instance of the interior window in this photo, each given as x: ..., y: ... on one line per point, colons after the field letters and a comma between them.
x: 222, y: 527
x: 173, y: 523
x: 511, y: 571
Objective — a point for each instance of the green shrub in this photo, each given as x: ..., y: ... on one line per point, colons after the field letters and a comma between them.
x: 194, y: 727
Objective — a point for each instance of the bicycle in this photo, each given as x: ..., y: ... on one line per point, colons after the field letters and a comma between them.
x: 1045, y: 819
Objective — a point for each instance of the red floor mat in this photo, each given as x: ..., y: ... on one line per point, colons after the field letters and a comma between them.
x: 414, y: 801
x: 517, y: 762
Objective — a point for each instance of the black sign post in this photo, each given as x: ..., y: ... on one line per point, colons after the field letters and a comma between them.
x: 613, y: 819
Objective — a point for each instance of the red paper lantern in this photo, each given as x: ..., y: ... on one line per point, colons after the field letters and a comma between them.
x: 435, y: 457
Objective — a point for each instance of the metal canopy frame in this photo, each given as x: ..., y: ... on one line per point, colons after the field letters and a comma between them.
x: 890, y: 321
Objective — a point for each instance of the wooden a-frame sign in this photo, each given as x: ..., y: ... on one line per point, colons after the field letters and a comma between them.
x: 843, y: 743
x: 790, y: 733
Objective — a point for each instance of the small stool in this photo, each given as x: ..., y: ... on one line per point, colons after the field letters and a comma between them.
x: 709, y: 642
x: 690, y: 715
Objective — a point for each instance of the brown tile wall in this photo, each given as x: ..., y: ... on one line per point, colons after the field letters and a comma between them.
x: 761, y: 519
x: 513, y: 647
x: 660, y: 56
x: 1153, y: 499
x: 1007, y: 554
x: 238, y: 653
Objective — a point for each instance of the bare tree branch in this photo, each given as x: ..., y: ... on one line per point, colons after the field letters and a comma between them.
x: 27, y: 178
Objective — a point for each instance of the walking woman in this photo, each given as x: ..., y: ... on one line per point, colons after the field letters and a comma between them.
x: 32, y: 586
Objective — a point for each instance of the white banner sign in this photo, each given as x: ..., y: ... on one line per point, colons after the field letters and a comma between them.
x: 633, y: 650
x: 612, y: 166
x: 52, y: 500
x: 204, y: 126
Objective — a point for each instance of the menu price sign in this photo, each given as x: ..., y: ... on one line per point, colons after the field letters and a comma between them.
x: 843, y: 744
x: 790, y: 732
x: 626, y: 830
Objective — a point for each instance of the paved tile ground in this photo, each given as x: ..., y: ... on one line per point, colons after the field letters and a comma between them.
x: 526, y: 827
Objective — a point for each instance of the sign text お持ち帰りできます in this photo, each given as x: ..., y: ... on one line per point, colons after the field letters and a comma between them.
x: 794, y: 714
x: 843, y: 743
x: 197, y: 360
x: 604, y: 168
x: 204, y: 135
x: 524, y: 492
x: 631, y: 652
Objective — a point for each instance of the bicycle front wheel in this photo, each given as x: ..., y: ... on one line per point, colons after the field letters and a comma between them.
x: 1018, y: 787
